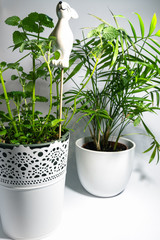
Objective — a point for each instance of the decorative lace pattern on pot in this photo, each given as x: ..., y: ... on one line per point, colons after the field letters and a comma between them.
x: 23, y: 166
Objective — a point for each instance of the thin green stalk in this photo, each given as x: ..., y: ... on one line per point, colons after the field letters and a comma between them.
x: 7, y: 102
x: 39, y: 37
x: 34, y: 91
x: 17, y: 61
x: 19, y: 115
x: 74, y: 110
x: 25, y: 100
x: 88, y: 61
x: 123, y: 126
x: 60, y: 105
x: 51, y: 80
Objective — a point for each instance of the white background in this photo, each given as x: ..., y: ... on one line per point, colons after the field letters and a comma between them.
x: 135, y: 214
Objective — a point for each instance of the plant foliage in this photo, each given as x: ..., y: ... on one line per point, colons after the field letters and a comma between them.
x: 24, y: 124
x: 122, y: 77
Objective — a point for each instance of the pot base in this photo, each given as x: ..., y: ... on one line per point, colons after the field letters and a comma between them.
x: 32, y: 213
x: 48, y: 236
x: 103, y: 196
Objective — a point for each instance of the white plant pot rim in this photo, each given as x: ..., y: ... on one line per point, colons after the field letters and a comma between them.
x: 112, y: 138
x: 34, y: 165
x: 35, y: 145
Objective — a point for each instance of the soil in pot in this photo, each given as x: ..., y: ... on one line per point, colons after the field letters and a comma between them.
x: 110, y: 147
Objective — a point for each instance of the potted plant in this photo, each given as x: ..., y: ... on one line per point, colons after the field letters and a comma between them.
x: 120, y: 83
x: 33, y: 154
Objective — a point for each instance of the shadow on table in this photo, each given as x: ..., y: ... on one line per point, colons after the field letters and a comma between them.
x: 72, y: 179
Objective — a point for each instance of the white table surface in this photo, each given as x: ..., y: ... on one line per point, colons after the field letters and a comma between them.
x: 133, y: 215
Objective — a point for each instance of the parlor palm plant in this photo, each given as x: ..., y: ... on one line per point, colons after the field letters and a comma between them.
x: 120, y: 81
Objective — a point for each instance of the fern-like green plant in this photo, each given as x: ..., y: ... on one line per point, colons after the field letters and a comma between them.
x: 121, y: 72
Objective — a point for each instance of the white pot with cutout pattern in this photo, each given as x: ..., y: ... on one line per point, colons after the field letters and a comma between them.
x: 32, y: 180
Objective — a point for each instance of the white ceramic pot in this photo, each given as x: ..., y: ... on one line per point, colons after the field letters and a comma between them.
x: 104, y: 174
x: 32, y: 180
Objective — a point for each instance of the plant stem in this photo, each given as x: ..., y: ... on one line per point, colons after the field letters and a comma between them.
x: 74, y: 110
x: 39, y: 37
x: 51, y: 78
x: 106, y: 137
x: 99, y: 141
x: 7, y: 102
x: 34, y: 91
x: 50, y: 74
x: 60, y: 106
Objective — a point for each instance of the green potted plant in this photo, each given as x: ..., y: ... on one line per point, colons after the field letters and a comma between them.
x: 119, y: 84
x: 33, y: 154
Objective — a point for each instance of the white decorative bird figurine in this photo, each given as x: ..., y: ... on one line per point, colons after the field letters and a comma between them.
x: 63, y: 34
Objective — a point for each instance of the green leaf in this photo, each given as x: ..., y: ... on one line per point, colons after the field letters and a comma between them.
x: 100, y: 19
x: 92, y: 33
x: 55, y: 122
x: 110, y: 33
x: 72, y: 60
x: 149, y: 149
x: 141, y: 25
x: 120, y: 16
x: 57, y: 55
x: 147, y: 130
x: 153, y: 24
x: 75, y: 70
x: 142, y: 89
x: 41, y: 99
x: 14, y: 141
x: 100, y: 27
x: 153, y: 48
x: 158, y: 99
x: 14, y: 77
x: 88, y: 122
x: 152, y: 155
x: 137, y: 121
x: 18, y: 37
x: 34, y: 16
x: 41, y: 73
x: 30, y: 25
x: 13, y: 21
x: 45, y: 20
x: 22, y: 47
x: 133, y: 30
x: 3, y: 64
x: 157, y: 33
x: 115, y: 53
x: 35, y: 22
x: 29, y: 87
x: 139, y: 99
x: 3, y: 132
x: 13, y: 65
